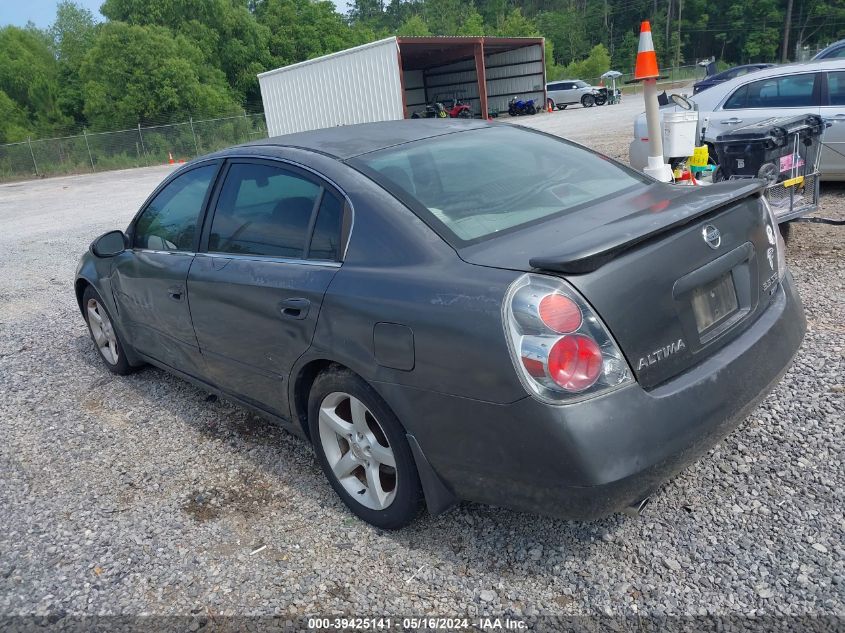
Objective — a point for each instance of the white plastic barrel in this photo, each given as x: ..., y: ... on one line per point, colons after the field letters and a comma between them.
x: 680, y: 132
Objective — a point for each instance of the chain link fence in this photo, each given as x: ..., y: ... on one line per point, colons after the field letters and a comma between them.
x: 138, y: 147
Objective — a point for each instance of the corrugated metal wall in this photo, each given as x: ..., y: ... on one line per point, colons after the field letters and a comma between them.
x: 516, y: 73
x: 358, y: 85
x: 456, y: 79
x: 414, y: 90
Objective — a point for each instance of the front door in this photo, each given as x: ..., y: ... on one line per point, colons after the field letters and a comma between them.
x: 273, y: 246
x: 833, y: 112
x: 149, y: 279
x: 755, y: 101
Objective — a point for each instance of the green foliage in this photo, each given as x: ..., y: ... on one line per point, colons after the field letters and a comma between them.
x: 14, y: 125
x: 595, y: 64
x: 414, y: 26
x: 72, y: 36
x: 144, y: 73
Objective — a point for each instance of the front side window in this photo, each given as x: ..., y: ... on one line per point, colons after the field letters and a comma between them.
x: 472, y: 185
x: 169, y: 223
x: 263, y: 210
x: 792, y: 91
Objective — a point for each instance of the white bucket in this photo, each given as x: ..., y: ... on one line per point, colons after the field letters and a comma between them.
x: 680, y: 132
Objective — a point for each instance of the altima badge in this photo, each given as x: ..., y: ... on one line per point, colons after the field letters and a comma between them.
x: 661, y: 353
x: 712, y: 236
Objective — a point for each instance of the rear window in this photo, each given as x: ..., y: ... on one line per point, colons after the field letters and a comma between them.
x: 473, y: 185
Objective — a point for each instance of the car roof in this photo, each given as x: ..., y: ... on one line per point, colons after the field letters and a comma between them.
x: 835, y: 46
x: 718, y: 91
x: 346, y: 141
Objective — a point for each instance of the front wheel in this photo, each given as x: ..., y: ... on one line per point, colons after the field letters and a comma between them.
x: 104, y: 334
x: 588, y: 101
x: 464, y: 114
x: 601, y: 100
x: 363, y: 451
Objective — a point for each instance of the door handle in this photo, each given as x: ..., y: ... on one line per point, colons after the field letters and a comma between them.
x: 732, y: 121
x: 295, y: 308
x: 176, y: 292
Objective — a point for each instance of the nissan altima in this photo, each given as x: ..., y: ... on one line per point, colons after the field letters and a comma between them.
x: 455, y: 310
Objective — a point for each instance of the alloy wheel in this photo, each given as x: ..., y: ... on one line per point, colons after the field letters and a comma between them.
x: 357, y: 450
x: 103, y: 331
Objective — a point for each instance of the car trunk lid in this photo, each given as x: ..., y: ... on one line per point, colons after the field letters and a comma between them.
x: 643, y: 261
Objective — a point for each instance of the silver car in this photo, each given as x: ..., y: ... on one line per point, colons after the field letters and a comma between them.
x: 569, y: 92
x: 809, y: 88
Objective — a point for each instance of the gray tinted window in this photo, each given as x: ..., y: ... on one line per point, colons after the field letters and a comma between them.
x: 518, y: 177
x: 325, y: 243
x: 792, y: 91
x: 836, y: 88
x: 169, y: 223
x: 263, y: 210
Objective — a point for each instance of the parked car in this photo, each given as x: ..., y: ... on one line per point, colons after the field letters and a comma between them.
x: 834, y: 51
x: 571, y: 91
x: 809, y: 88
x: 730, y: 73
x: 549, y: 331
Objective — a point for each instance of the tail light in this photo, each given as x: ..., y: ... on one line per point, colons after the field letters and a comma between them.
x: 775, y: 238
x: 561, y: 350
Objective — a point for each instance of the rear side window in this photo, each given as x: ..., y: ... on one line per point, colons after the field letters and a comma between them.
x: 792, y: 91
x: 169, y: 223
x: 472, y: 185
x: 325, y: 242
x: 263, y: 210
x: 836, y: 88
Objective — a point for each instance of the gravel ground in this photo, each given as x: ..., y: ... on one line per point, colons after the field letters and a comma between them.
x: 143, y: 495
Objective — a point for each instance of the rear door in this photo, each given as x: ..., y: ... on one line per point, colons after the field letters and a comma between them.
x: 272, y: 245
x: 149, y: 279
x: 787, y: 95
x: 833, y: 111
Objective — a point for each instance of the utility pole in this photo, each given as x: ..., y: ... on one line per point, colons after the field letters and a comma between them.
x: 787, y: 25
x: 678, y: 51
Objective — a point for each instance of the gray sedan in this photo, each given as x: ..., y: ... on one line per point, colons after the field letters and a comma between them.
x: 455, y: 310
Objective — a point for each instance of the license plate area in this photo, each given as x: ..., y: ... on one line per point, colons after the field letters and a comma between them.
x: 714, y: 303
x: 715, y: 298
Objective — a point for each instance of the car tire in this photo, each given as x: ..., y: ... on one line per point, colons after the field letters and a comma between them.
x: 785, y: 229
x: 107, y: 339
x: 588, y: 101
x: 363, y: 451
x: 562, y: 106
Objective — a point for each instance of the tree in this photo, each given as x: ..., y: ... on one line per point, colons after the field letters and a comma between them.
x: 224, y: 30
x: 514, y: 24
x: 414, y: 26
x: 473, y: 24
x: 596, y: 64
x: 72, y: 36
x: 146, y: 74
x: 14, y: 125
x: 29, y: 76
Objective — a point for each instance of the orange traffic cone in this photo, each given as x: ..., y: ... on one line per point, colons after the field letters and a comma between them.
x: 646, y: 67
x: 170, y: 158
x: 549, y: 108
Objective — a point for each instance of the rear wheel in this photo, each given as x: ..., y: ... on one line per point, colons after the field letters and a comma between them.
x: 588, y: 101
x: 108, y: 342
x: 532, y: 109
x: 363, y: 451
x: 562, y: 106
x: 785, y: 229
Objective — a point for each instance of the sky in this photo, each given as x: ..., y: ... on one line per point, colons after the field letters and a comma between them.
x: 43, y: 12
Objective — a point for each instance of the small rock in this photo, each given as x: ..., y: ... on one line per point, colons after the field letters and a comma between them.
x: 487, y: 595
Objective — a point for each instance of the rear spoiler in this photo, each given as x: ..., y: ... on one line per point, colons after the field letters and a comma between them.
x: 593, y: 250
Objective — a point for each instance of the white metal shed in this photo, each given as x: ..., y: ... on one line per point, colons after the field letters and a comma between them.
x: 391, y: 78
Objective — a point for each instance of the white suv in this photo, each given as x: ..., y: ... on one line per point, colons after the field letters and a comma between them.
x: 569, y: 91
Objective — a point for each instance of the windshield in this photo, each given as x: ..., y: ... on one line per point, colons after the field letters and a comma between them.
x: 476, y: 184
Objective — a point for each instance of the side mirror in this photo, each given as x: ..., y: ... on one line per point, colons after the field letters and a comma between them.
x: 109, y: 244
x: 681, y: 102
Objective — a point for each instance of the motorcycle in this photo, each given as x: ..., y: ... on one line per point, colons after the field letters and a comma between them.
x: 432, y: 111
x: 456, y: 107
x: 518, y: 107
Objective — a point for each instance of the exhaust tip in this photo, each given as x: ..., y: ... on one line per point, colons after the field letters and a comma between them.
x: 637, y: 508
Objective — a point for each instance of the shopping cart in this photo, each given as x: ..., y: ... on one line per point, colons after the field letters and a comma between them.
x: 782, y: 151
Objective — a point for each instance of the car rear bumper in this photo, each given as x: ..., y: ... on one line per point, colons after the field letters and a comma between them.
x: 586, y: 460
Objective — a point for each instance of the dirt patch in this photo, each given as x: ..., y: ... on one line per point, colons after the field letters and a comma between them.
x: 247, y: 497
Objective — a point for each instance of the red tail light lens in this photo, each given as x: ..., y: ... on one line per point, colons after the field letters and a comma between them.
x: 560, y: 313
x: 575, y: 362
x: 561, y: 350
